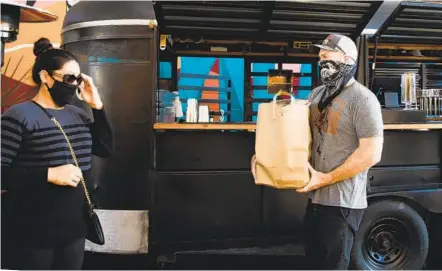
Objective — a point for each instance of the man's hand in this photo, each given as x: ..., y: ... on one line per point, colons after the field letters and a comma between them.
x: 317, y: 180
x: 253, y: 166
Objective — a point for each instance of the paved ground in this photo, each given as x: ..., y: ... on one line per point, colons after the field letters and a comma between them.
x: 118, y: 262
x: 197, y: 263
x: 209, y: 263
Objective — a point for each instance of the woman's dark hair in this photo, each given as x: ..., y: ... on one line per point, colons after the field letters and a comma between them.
x: 48, y: 58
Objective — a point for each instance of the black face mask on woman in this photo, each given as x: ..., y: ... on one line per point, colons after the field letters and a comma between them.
x: 62, y: 93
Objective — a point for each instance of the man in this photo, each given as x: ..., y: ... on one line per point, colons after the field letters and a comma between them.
x: 347, y: 133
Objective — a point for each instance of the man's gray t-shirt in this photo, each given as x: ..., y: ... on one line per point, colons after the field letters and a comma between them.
x: 354, y: 114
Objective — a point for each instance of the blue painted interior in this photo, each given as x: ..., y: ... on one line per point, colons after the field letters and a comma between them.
x: 165, y: 70
x: 232, y: 68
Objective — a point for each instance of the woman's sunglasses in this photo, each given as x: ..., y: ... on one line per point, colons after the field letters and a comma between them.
x: 70, y: 78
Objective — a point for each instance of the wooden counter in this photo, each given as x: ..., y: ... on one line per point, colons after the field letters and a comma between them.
x: 251, y: 126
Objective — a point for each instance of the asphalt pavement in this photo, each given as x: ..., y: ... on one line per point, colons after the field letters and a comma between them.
x: 195, y: 262
x: 210, y: 262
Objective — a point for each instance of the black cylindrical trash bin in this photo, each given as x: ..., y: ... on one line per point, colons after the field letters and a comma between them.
x: 116, y: 44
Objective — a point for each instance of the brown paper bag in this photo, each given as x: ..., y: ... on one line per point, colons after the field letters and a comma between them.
x: 283, y: 141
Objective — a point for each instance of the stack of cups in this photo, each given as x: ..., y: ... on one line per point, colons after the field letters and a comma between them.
x: 192, y: 114
x: 203, y: 113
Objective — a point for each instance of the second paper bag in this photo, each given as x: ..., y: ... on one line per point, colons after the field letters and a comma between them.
x: 283, y: 141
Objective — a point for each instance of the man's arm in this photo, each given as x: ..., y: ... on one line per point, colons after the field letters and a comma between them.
x: 369, y: 128
x: 364, y: 157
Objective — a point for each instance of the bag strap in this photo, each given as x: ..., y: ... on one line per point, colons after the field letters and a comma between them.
x: 74, y: 157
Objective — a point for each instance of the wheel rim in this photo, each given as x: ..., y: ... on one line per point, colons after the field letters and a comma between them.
x: 387, y: 244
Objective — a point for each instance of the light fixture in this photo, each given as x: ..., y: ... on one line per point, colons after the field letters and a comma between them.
x: 15, y: 13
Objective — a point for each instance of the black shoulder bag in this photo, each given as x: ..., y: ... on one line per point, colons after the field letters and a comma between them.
x: 95, y: 231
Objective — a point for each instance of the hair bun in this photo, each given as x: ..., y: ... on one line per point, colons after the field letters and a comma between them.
x: 41, y: 46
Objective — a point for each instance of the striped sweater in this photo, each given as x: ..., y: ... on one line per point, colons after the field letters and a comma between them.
x: 37, y: 211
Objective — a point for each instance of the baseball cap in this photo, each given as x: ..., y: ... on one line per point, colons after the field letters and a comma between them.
x: 336, y: 42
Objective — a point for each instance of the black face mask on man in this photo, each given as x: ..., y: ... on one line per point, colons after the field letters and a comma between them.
x: 334, y: 75
x: 61, y: 92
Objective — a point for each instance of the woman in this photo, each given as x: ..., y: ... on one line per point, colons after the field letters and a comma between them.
x: 45, y: 201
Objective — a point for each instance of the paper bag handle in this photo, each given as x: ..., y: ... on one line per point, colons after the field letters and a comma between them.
x: 292, y: 101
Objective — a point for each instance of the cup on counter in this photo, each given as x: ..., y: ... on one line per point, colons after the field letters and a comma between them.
x: 203, y: 113
x: 169, y: 114
x: 192, y: 110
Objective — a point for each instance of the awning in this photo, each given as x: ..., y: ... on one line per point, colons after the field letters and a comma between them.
x: 263, y: 20
x: 413, y: 23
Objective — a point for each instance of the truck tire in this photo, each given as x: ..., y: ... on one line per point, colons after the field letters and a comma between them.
x: 392, y: 236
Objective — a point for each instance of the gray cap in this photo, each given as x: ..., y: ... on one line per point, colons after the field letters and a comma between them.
x: 336, y: 42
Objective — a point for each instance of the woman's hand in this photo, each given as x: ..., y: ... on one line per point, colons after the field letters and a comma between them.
x: 66, y: 175
x: 89, y: 92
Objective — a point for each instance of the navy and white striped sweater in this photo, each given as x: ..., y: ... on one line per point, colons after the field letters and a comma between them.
x: 48, y: 214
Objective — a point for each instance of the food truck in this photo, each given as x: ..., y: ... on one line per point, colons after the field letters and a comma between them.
x: 179, y: 185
